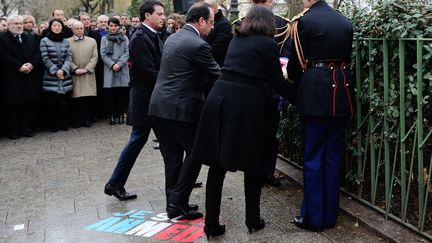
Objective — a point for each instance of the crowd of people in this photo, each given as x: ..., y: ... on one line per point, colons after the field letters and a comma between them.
x: 76, y: 72
x: 208, y: 90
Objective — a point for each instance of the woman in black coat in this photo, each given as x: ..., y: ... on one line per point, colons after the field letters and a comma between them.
x: 231, y: 132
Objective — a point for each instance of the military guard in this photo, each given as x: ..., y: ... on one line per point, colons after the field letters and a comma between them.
x: 282, y: 37
x: 322, y: 44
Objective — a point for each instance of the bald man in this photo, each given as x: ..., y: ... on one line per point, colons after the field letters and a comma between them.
x: 84, y: 60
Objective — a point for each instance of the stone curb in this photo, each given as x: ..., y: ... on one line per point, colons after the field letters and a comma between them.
x: 373, y: 220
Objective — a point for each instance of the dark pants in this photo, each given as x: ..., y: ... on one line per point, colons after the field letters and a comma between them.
x: 116, y: 100
x: 176, y: 138
x: 82, y: 109
x: 57, y: 109
x: 128, y: 156
x: 19, y: 118
x: 324, y: 150
x: 252, y: 184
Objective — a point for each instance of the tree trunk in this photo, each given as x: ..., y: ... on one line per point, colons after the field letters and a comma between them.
x: 110, y: 6
x: 6, y: 7
x: 102, y: 7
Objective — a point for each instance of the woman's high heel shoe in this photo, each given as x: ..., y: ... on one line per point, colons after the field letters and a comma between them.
x: 214, y: 231
x: 255, y: 226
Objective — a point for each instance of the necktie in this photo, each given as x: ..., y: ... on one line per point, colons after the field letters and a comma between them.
x: 18, y: 39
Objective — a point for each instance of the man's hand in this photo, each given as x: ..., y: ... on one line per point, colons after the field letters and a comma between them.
x: 25, y: 68
x: 116, y: 67
x: 81, y: 71
x: 29, y: 67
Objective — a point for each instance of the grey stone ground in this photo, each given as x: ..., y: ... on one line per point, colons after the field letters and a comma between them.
x: 53, y: 184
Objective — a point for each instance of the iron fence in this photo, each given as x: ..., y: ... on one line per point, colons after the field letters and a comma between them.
x: 389, y: 145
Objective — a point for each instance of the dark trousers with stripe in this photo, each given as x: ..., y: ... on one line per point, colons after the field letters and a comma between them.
x: 324, y: 151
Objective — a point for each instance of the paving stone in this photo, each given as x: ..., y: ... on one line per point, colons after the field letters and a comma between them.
x: 53, y: 184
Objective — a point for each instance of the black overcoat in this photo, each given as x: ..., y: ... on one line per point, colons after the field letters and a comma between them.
x: 220, y: 37
x: 18, y: 87
x: 232, y: 128
x: 145, y: 50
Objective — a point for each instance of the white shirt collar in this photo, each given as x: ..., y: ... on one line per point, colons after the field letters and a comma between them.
x: 150, y: 28
x: 78, y: 38
x: 195, y: 29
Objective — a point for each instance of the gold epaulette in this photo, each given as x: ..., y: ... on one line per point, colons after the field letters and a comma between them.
x: 285, y: 34
x: 298, y: 16
x: 296, y: 38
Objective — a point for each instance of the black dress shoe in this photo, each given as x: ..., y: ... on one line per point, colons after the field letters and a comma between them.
x: 119, y: 193
x: 121, y: 119
x: 301, y: 223
x: 112, y: 120
x: 26, y: 133
x: 174, y: 211
x: 87, y: 124
x: 272, y: 181
x: 13, y: 136
x: 198, y: 184
x: 255, y: 225
x: 214, y: 230
x: 193, y: 206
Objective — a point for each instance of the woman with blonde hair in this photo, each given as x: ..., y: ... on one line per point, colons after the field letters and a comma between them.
x: 29, y: 24
x: 174, y: 22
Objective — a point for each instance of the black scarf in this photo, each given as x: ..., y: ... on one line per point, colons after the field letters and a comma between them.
x: 55, y: 37
x: 112, y: 38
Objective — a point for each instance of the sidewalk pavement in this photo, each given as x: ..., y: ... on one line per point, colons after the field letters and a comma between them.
x: 52, y: 191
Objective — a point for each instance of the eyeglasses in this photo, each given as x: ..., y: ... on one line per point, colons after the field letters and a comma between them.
x: 211, y: 21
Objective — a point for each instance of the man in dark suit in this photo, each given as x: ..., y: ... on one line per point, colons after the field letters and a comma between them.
x: 219, y: 38
x: 20, y: 58
x: 145, y: 53
x: 273, y: 118
x: 177, y: 102
x: 322, y: 40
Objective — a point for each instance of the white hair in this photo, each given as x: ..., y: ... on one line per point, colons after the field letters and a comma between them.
x: 69, y: 23
x: 75, y: 23
x: 102, y: 17
x: 13, y: 17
